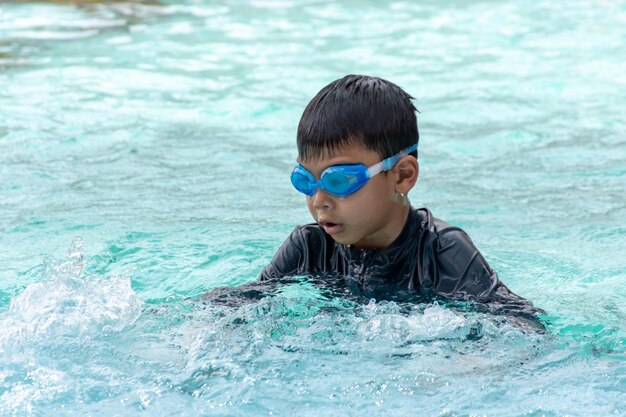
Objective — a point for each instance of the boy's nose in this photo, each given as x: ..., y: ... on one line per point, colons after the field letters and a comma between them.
x: 321, y: 199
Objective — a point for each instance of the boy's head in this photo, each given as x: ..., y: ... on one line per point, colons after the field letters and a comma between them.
x: 357, y: 149
x: 358, y: 110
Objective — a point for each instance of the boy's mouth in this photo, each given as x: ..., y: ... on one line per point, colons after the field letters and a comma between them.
x: 330, y: 227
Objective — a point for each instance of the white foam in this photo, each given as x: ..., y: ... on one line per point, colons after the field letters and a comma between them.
x: 68, y: 304
x: 384, y: 321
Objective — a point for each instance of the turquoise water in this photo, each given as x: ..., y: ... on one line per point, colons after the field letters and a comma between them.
x: 144, y: 159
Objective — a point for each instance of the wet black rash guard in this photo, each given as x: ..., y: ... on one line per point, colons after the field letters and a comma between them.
x: 429, y: 257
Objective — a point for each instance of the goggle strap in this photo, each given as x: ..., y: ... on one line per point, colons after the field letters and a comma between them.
x: 387, y: 164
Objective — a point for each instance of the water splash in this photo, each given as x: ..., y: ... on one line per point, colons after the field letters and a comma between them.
x: 385, y: 321
x: 304, y: 339
x: 73, y: 339
x: 68, y: 305
x: 54, y: 344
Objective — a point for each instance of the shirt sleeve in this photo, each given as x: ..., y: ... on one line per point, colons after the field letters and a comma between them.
x: 461, y: 270
x: 462, y: 273
x: 288, y: 259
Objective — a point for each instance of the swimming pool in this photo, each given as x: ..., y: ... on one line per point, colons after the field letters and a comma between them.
x: 144, y: 154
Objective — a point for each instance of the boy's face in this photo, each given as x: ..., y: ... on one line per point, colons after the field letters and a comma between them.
x: 371, y: 217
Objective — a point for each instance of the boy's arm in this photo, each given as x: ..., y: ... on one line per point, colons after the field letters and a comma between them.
x: 461, y: 270
x: 286, y: 262
x: 463, y: 273
x: 288, y: 259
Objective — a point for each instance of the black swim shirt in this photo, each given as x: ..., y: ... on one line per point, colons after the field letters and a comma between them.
x: 429, y: 257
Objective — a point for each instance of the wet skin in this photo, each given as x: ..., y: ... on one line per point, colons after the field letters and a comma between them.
x: 373, y: 216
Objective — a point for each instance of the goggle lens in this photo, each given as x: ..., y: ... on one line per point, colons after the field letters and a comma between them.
x: 301, y: 183
x: 338, y: 183
x: 333, y: 181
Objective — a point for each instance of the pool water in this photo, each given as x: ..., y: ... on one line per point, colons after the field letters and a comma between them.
x: 145, y: 149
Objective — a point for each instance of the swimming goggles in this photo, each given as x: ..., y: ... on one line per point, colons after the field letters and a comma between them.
x: 343, y: 180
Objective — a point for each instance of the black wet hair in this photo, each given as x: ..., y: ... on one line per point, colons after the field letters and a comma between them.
x: 368, y: 111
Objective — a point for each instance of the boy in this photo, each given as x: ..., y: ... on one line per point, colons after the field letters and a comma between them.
x: 357, y: 160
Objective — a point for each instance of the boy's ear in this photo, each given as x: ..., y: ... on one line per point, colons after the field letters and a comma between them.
x: 407, y: 170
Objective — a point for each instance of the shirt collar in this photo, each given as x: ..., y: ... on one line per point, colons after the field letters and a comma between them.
x: 395, y: 249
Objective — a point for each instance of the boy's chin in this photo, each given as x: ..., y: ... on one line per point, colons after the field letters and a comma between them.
x: 344, y: 240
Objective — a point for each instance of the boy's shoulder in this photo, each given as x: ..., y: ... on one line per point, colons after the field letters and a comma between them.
x: 429, y: 222
x: 303, y: 252
x: 308, y: 230
x: 309, y: 236
x: 440, y: 228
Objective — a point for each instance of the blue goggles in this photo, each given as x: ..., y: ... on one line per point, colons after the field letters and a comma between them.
x: 343, y: 180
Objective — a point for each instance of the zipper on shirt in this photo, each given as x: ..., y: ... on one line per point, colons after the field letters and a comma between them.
x: 361, y: 270
x: 361, y: 273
